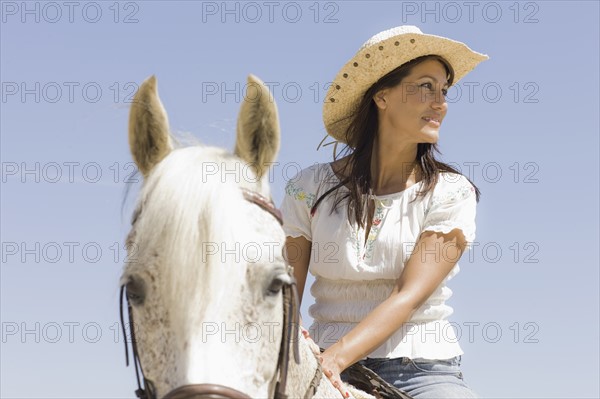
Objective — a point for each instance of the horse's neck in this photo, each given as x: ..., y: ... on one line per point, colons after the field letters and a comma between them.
x: 301, y: 375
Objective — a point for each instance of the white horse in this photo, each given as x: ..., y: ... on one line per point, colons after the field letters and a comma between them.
x: 206, y: 278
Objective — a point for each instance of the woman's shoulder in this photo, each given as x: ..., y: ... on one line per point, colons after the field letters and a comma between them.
x: 304, y: 185
x: 308, y: 173
x: 453, y: 179
x: 311, y: 177
x: 452, y: 186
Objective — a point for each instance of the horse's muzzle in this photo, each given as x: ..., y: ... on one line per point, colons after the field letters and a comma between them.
x: 205, y: 391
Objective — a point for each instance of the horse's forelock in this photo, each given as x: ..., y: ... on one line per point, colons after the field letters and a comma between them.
x: 190, y: 210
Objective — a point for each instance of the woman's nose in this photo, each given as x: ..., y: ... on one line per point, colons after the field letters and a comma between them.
x: 439, y: 99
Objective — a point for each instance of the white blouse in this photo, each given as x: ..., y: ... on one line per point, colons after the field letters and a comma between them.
x: 353, y: 277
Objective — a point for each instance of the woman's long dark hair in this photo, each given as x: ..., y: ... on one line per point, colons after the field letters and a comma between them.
x: 360, y: 137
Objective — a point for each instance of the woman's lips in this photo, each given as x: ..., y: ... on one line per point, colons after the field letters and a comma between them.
x: 431, y: 120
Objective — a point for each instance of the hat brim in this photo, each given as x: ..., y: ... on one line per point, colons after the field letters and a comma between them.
x: 374, y: 61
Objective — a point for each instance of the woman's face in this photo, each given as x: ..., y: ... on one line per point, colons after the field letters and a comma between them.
x: 412, y: 111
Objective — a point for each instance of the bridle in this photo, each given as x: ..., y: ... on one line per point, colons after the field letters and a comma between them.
x: 291, y: 322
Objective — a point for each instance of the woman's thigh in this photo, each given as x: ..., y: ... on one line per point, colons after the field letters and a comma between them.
x: 423, y: 378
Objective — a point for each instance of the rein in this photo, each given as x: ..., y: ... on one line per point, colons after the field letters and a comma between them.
x: 291, y: 322
x: 148, y: 392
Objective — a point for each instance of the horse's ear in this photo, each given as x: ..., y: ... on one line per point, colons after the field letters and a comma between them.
x: 257, y: 140
x: 149, y: 140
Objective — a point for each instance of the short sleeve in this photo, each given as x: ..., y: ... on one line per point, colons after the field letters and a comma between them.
x: 453, y: 206
x: 297, y: 202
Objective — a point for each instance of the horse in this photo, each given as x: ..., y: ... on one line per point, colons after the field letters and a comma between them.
x: 211, y: 300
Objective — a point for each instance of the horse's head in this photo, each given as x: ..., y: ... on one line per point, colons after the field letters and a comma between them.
x: 205, y: 272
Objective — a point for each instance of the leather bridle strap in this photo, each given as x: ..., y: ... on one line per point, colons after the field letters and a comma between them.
x: 315, y: 382
x: 208, y: 391
x: 264, y: 203
x: 291, y: 315
x: 291, y: 326
x: 148, y: 391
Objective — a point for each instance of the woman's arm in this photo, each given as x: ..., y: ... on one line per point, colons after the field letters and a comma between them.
x: 431, y: 261
x: 297, y: 253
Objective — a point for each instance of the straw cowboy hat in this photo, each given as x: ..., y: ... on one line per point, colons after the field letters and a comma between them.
x: 381, y: 54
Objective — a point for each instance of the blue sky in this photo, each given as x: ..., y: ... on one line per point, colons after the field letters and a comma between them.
x: 523, y: 126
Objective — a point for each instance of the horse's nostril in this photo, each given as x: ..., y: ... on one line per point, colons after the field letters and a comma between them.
x: 205, y: 391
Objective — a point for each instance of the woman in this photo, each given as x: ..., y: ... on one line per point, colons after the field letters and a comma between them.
x: 382, y: 228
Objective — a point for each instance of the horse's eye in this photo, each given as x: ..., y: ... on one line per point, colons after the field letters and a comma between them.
x: 136, y: 291
x: 276, y: 285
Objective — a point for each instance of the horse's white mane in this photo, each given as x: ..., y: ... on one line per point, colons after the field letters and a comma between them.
x: 180, y: 190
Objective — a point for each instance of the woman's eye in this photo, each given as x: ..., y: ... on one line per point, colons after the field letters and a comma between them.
x: 429, y: 86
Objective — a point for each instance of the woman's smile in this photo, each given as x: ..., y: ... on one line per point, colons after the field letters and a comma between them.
x: 435, y: 121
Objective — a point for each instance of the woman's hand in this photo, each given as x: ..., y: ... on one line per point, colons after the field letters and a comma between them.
x: 332, y: 370
x: 311, y: 344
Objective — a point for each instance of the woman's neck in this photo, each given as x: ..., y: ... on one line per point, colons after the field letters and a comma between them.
x: 394, y: 169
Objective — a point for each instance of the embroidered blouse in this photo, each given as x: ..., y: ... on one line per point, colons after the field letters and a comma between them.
x: 352, y: 276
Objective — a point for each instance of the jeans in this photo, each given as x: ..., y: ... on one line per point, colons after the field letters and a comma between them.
x: 423, y: 378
